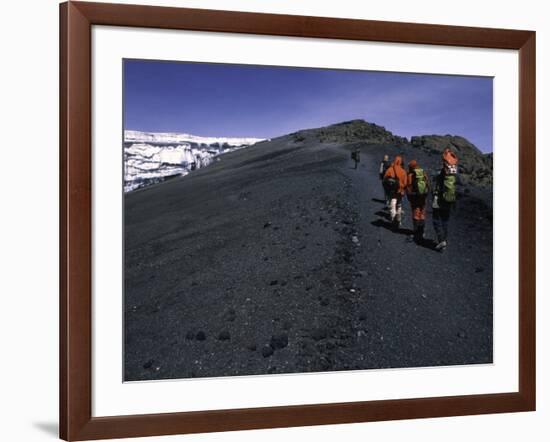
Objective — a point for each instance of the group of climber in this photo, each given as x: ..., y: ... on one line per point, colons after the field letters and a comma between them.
x: 416, y: 186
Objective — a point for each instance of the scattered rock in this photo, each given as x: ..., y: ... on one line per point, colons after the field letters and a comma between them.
x: 224, y: 336
x: 200, y: 336
x: 267, y: 351
x: 319, y: 334
x: 279, y: 341
x: 274, y: 282
x: 266, y: 225
x: 230, y: 315
x: 462, y: 335
x: 149, y: 364
x: 325, y: 363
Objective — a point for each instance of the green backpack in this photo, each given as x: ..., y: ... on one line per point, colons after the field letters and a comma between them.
x: 448, y: 192
x: 420, y: 186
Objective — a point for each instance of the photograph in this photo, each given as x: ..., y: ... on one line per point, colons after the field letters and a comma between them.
x: 283, y: 220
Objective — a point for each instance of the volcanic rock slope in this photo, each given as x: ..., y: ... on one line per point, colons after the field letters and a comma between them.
x: 279, y: 259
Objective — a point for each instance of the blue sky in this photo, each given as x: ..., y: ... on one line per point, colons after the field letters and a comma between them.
x: 268, y: 101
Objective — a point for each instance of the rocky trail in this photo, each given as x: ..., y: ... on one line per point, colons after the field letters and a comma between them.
x: 279, y: 259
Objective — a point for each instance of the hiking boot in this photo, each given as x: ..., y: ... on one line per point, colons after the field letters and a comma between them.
x: 441, y: 246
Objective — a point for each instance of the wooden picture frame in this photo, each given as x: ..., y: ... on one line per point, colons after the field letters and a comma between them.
x: 76, y: 21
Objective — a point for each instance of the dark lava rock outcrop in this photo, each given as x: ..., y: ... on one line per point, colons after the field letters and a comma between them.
x: 474, y: 166
x: 350, y: 131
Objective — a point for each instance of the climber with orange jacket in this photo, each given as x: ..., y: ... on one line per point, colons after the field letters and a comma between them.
x: 395, y: 181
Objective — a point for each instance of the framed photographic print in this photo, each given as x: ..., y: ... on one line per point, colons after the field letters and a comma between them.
x: 272, y: 220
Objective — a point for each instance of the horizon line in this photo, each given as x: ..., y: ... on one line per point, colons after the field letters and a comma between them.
x: 409, y: 139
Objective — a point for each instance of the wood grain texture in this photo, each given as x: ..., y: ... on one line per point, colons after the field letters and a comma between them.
x: 63, y: 292
x: 75, y: 203
x: 76, y: 421
x: 299, y: 26
x: 527, y: 220
x: 294, y: 416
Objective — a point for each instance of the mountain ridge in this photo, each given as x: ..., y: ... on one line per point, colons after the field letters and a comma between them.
x: 153, y: 157
x: 475, y: 166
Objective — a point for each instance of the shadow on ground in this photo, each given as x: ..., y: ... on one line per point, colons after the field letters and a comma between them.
x: 389, y: 226
x: 426, y: 243
x: 49, y: 428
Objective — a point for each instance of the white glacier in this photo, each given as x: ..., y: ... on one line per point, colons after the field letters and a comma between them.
x: 151, y: 157
x: 178, y: 138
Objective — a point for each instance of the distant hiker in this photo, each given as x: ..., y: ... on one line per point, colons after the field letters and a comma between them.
x: 444, y: 197
x: 381, y: 172
x: 384, y: 166
x: 417, y: 192
x: 356, y: 156
x: 395, y: 180
x: 193, y: 165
